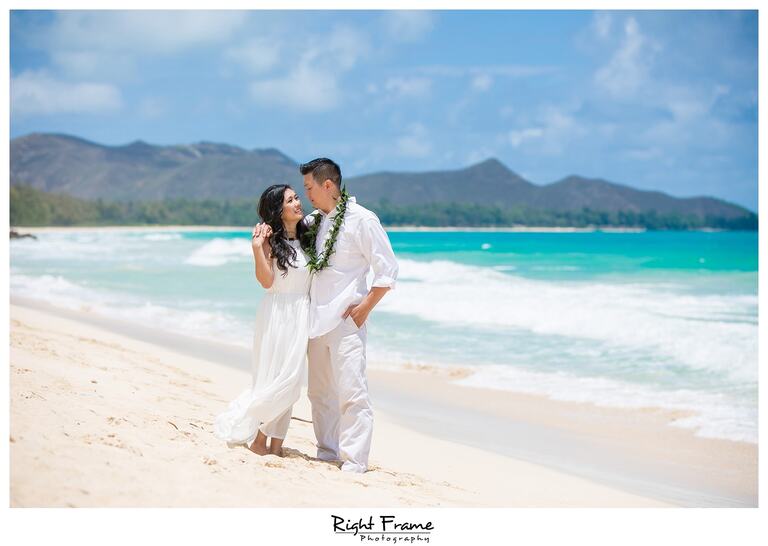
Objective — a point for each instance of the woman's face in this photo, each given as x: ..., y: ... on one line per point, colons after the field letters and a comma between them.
x: 291, y: 207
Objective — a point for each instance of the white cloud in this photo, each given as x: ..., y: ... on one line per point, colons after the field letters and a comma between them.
x: 677, y: 137
x: 257, y: 55
x: 686, y: 107
x: 312, y: 85
x: 109, y: 44
x: 152, y: 107
x: 479, y: 77
x: 407, y: 26
x: 408, y: 87
x: 482, y: 82
x: 342, y: 49
x: 688, y: 103
x: 553, y: 126
x: 558, y: 120
x: 142, y: 31
x: 629, y: 68
x: 507, y: 111
x: 601, y: 24
x: 481, y: 154
x: 39, y: 93
x: 519, y: 136
x: 508, y: 70
x: 683, y: 111
x: 89, y: 64
x: 305, y: 89
x: 415, y: 142
x: 644, y: 154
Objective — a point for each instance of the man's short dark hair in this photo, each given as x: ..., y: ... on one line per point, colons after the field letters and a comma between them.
x: 322, y: 169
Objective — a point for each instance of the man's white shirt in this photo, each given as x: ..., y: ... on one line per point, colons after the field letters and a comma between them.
x: 361, y: 246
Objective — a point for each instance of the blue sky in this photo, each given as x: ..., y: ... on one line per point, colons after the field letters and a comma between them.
x: 662, y: 100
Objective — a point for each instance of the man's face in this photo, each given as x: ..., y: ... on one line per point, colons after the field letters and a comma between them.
x: 318, y: 194
x: 311, y: 189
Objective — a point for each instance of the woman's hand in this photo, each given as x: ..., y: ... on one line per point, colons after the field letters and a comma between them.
x: 260, y: 233
x: 262, y: 254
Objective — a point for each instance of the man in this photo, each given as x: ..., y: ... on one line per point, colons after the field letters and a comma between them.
x: 340, y: 304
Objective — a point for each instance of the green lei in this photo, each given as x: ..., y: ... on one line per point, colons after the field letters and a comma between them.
x: 316, y: 263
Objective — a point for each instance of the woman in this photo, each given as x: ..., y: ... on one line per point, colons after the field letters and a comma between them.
x: 281, y: 330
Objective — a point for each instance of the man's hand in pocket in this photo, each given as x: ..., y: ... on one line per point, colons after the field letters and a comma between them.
x: 358, y: 312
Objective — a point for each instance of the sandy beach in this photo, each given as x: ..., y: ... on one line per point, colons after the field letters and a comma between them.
x: 100, y: 416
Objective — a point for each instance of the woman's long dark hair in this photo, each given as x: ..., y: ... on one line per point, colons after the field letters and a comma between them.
x: 271, y: 212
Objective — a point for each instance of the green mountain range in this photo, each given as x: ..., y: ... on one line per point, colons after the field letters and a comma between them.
x: 141, y: 172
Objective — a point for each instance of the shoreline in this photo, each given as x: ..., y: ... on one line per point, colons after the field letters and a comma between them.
x: 425, y: 229
x: 635, y: 450
x: 601, y: 445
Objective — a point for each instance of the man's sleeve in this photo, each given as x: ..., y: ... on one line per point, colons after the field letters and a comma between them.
x: 375, y: 246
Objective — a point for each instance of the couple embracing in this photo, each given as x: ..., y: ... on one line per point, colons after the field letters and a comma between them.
x: 313, y: 319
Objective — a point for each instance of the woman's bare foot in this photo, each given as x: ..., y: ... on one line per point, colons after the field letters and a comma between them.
x: 258, y: 449
x: 276, y: 447
x: 259, y: 445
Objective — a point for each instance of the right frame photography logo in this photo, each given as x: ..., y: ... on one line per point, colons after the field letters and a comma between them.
x: 384, y: 529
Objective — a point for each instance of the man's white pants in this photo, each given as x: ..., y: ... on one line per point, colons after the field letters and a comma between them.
x: 338, y: 390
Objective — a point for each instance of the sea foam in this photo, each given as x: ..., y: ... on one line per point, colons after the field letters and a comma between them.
x: 712, y: 333
x: 219, y: 252
x: 199, y: 320
x: 713, y: 415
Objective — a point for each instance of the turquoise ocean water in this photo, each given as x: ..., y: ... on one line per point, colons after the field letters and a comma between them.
x: 664, y: 319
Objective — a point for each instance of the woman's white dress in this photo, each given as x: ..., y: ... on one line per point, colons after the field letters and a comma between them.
x: 279, y: 360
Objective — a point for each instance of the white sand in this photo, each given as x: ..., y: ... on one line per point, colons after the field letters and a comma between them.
x: 101, y: 419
